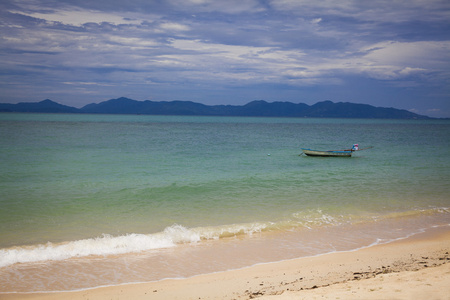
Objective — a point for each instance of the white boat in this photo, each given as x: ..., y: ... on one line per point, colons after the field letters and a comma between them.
x: 334, y: 153
x: 330, y: 153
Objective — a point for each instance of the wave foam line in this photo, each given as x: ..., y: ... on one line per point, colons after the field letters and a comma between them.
x: 177, y: 234
x: 130, y: 243
x: 104, y: 245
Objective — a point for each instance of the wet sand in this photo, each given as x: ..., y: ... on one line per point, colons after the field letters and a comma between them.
x: 413, y: 268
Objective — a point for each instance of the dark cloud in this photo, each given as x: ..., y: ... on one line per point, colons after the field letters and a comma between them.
x: 388, y: 53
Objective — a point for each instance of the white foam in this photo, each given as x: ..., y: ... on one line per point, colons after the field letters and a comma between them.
x: 104, y: 245
x: 169, y: 237
x: 130, y: 243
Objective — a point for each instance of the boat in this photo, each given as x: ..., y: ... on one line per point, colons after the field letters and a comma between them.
x: 334, y: 153
x: 330, y: 153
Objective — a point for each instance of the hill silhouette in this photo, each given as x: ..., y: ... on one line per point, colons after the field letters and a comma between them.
x: 257, y: 108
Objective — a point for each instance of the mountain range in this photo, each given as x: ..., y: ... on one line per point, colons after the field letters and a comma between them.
x: 258, y: 108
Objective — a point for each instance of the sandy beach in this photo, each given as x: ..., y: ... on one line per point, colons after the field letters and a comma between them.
x: 413, y: 268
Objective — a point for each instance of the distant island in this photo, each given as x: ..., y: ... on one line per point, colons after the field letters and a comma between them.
x: 258, y: 108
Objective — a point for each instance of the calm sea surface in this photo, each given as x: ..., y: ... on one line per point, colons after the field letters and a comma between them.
x: 91, y: 200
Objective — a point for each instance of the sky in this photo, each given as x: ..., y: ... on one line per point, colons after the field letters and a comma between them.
x: 388, y: 53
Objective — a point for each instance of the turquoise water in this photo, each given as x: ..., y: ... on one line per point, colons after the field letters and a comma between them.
x: 77, y: 186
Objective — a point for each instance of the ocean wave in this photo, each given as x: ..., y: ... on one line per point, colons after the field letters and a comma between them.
x: 104, y: 245
x: 178, y: 234
x: 129, y: 243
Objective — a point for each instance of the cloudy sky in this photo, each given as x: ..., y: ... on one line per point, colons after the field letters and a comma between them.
x: 391, y: 53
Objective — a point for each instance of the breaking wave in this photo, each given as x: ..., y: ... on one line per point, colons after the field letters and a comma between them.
x: 129, y: 243
x: 178, y: 234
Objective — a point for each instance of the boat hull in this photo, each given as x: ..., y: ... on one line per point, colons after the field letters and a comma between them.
x: 333, y: 153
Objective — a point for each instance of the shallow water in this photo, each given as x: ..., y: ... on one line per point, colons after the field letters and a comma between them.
x: 140, y: 198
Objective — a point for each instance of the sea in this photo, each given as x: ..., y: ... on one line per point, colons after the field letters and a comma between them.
x: 98, y: 200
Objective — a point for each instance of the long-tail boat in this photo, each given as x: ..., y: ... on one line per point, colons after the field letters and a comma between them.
x: 333, y: 153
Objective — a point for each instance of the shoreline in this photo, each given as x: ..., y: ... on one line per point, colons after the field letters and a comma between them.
x: 424, y: 256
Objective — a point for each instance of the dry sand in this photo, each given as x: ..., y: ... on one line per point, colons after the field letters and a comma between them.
x: 413, y: 268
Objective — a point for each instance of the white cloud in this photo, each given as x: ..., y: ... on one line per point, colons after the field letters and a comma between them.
x: 313, y: 7
x: 386, y: 61
x: 78, y: 17
x: 172, y: 26
x: 81, y: 83
x: 133, y: 42
x: 420, y: 54
x: 376, y: 10
x: 228, y: 7
x: 239, y: 64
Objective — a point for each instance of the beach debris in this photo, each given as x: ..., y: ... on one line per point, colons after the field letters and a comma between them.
x: 256, y: 294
